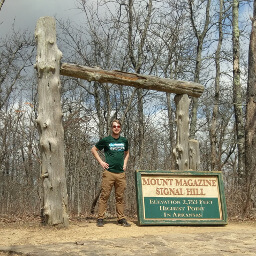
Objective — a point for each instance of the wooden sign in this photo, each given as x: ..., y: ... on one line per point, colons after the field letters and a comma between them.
x: 175, y: 197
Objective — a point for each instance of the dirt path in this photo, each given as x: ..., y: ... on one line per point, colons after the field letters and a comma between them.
x: 84, y: 238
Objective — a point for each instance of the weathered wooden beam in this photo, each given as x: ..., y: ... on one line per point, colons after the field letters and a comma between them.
x: 132, y: 79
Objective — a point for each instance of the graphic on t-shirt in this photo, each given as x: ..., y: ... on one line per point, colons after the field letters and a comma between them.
x: 116, y: 146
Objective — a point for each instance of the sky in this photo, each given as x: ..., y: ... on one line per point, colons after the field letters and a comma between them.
x: 27, y: 12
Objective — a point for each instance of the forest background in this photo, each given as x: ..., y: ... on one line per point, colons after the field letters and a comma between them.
x: 205, y: 41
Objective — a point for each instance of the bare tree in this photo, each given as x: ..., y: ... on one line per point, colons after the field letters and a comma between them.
x: 250, y: 126
x: 16, y: 55
x: 17, y: 162
x: 138, y: 58
x: 200, y: 37
x: 215, y: 164
x: 237, y: 90
x: 175, y: 40
x: 1, y: 4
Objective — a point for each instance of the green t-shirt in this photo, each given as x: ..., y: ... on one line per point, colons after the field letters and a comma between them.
x: 114, y: 152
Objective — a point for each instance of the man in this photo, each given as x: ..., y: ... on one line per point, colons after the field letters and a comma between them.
x: 116, y: 155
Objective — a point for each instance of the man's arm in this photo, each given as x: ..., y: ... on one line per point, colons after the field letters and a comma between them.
x: 98, y: 158
x: 126, y: 157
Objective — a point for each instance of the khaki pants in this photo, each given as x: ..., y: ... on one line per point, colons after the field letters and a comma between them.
x: 110, y: 179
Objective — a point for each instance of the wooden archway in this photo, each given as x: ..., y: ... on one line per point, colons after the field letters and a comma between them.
x: 49, y: 68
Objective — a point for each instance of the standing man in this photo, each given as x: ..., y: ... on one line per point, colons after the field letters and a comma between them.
x: 116, y: 155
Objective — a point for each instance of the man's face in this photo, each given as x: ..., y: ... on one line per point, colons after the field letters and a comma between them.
x: 116, y: 128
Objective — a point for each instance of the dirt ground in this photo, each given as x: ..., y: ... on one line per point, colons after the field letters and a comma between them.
x: 82, y: 237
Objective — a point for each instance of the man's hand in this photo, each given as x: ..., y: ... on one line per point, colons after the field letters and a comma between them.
x: 97, y: 156
x: 126, y: 156
x: 104, y: 165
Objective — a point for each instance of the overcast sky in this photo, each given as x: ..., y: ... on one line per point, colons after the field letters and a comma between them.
x: 27, y: 12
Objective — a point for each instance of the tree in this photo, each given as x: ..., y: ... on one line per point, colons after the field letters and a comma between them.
x: 136, y: 46
x: 1, y: 4
x: 215, y: 163
x: 174, y: 41
x: 237, y: 91
x: 16, y: 56
x: 250, y: 126
x: 200, y: 37
x: 18, y: 161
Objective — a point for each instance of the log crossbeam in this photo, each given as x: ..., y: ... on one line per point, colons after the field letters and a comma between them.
x: 132, y: 79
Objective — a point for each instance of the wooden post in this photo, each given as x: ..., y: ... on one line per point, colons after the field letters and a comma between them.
x: 182, y: 119
x: 50, y: 124
x: 194, y: 155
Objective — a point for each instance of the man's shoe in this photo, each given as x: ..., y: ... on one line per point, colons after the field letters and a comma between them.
x: 100, y: 223
x: 124, y: 223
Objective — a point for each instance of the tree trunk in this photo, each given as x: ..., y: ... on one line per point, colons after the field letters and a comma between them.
x: 98, y: 108
x: 250, y: 127
x: 237, y: 92
x: 215, y: 163
x: 50, y: 124
x: 140, y: 128
x: 1, y: 4
x: 200, y: 40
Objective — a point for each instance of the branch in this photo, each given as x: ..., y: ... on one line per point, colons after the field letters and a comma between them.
x: 1, y: 4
